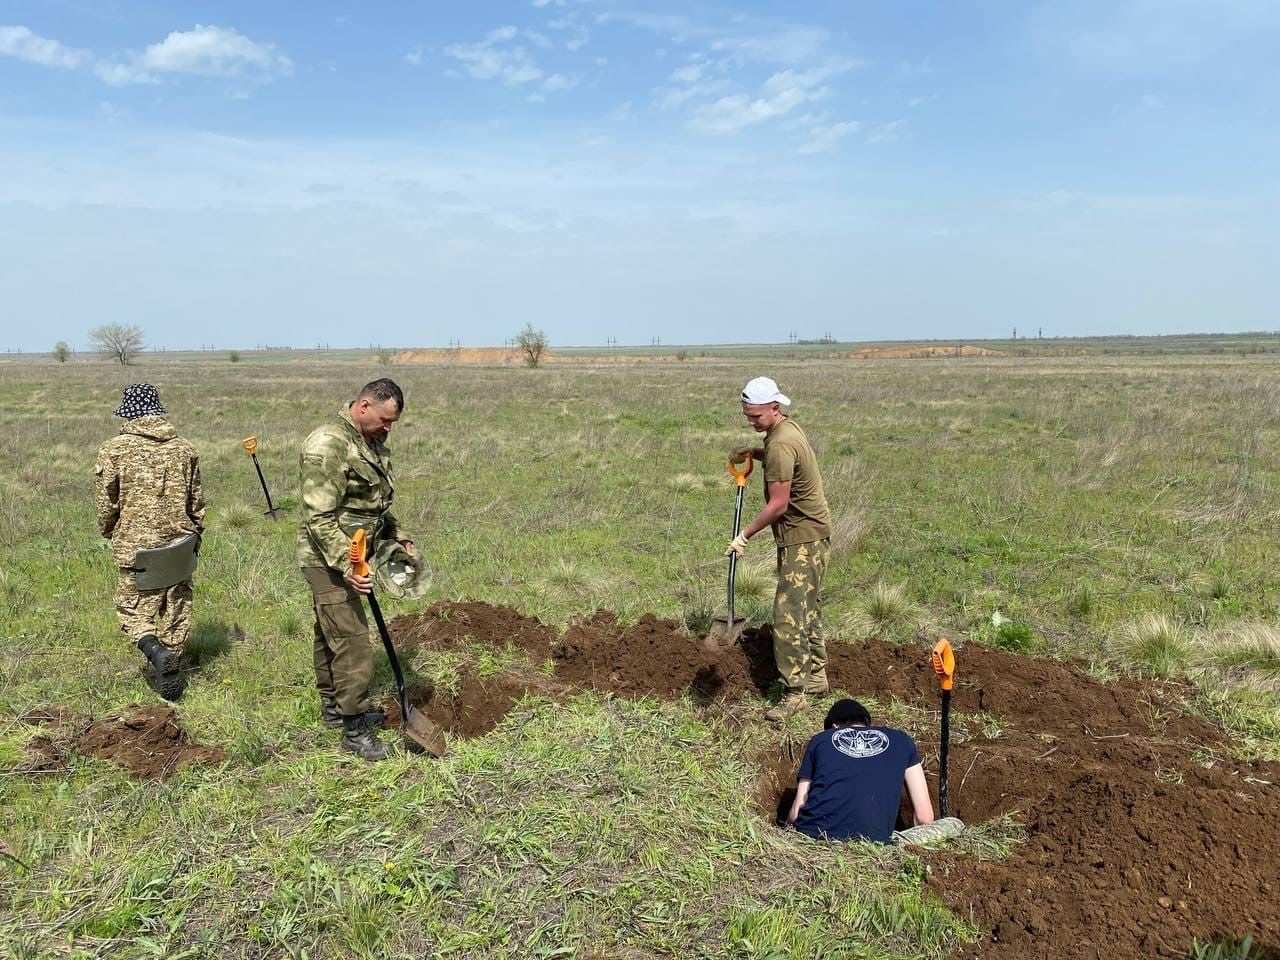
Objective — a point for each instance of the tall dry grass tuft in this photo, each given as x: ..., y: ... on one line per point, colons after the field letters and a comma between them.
x: 848, y: 528
x: 1155, y: 644
x: 1242, y: 655
x: 889, y: 607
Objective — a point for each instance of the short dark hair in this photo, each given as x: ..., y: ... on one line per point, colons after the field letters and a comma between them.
x: 845, y: 712
x: 382, y: 390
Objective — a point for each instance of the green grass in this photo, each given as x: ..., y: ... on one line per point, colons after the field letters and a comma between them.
x: 1074, y: 496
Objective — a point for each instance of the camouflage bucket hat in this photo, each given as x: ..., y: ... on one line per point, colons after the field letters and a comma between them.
x: 140, y: 400
x: 400, y: 573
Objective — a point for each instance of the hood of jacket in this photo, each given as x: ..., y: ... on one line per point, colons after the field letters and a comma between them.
x: 155, y: 428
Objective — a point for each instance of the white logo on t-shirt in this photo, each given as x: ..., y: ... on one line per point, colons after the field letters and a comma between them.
x: 860, y: 742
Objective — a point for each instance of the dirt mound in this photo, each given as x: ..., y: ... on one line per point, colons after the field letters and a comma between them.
x: 475, y: 356
x: 147, y: 741
x: 1133, y: 848
x: 922, y: 352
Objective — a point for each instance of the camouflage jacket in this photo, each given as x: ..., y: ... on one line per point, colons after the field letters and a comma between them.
x: 148, y: 488
x: 347, y: 483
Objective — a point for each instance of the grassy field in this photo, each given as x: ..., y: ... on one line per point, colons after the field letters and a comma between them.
x: 1117, y: 508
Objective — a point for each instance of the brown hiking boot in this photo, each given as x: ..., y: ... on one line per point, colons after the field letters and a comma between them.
x: 791, y: 703
x: 817, y: 684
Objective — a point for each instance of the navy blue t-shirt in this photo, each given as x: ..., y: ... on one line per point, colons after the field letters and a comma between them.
x: 856, y: 776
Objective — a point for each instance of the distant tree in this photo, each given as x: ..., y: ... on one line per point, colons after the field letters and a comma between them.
x: 61, y: 352
x: 234, y: 356
x: 118, y: 340
x: 384, y: 357
x: 532, y: 343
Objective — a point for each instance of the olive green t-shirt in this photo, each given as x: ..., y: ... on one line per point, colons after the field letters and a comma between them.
x: 788, y: 455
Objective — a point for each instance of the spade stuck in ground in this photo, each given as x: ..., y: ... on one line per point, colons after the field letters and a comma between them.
x: 250, y: 445
x: 727, y: 630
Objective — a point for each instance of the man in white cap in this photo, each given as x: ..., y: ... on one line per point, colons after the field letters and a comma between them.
x: 796, y: 509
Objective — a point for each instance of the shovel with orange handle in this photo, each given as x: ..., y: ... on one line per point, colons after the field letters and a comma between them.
x: 944, y: 665
x: 421, y: 735
x: 250, y: 445
x: 726, y: 631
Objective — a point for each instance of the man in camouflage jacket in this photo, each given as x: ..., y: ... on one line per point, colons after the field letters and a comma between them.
x: 148, y: 495
x: 347, y: 484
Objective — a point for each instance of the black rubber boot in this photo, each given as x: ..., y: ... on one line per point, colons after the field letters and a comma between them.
x: 331, y: 716
x: 165, y: 663
x: 359, y: 738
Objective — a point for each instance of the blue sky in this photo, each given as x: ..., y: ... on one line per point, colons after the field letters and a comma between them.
x: 415, y: 173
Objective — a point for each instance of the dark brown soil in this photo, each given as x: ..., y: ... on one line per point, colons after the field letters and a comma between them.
x: 1133, y: 849
x: 147, y: 741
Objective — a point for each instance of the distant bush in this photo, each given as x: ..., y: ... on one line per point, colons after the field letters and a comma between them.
x: 61, y: 352
x: 119, y: 341
x: 532, y: 344
x: 234, y: 356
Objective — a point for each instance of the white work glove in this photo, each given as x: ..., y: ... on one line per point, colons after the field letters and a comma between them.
x: 738, y: 545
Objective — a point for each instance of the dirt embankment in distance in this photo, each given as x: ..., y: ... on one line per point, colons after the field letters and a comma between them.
x: 1133, y: 847
x: 922, y: 351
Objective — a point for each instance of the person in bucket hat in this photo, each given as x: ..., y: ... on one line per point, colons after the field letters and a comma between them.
x: 151, y: 507
x: 796, y: 510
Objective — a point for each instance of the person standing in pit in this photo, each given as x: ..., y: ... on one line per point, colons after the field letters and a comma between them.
x: 796, y: 511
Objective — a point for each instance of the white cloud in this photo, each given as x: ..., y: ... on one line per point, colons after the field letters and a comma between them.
x: 578, y: 35
x: 824, y: 138
x: 215, y: 52
x: 538, y: 39
x: 204, y: 51
x: 415, y: 57
x: 779, y: 95
x: 790, y: 44
x: 558, y: 82
x: 487, y: 60
x: 887, y: 132
x: 19, y: 42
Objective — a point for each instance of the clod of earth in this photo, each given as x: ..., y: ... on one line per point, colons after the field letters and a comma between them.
x: 147, y: 741
x: 1132, y: 851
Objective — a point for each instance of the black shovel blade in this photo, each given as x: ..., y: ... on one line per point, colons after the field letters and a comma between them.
x: 276, y: 514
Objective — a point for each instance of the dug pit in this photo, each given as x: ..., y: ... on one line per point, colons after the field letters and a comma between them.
x: 1132, y: 850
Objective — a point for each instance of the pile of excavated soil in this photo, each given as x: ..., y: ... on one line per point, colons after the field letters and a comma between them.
x: 1133, y: 849
x: 147, y: 741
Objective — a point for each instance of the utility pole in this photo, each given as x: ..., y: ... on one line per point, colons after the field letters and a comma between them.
x: 1015, y: 333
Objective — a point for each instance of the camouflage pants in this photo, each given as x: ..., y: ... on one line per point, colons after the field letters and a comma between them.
x: 798, y: 646
x: 165, y: 613
x: 340, y: 651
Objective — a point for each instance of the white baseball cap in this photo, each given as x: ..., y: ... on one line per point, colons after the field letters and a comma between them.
x: 764, y: 390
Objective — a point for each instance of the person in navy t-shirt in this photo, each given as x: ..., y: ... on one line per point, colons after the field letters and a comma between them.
x: 851, y: 778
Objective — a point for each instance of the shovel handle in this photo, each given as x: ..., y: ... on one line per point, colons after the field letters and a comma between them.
x: 944, y: 663
x: 740, y: 474
x: 250, y: 445
x: 359, y: 553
